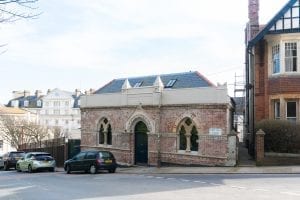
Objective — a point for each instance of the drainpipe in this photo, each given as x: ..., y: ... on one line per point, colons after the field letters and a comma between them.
x: 250, y: 97
x: 159, y: 134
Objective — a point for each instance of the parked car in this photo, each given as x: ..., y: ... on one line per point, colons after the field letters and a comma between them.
x: 10, y: 159
x: 91, y: 161
x: 34, y: 161
x: 1, y: 162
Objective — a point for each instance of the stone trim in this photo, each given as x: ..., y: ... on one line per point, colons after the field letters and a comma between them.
x: 190, y: 154
x: 104, y: 147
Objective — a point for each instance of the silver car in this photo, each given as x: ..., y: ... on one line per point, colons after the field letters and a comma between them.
x: 35, y: 161
x: 1, y: 162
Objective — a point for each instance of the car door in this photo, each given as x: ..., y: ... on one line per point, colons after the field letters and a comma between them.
x: 89, y: 160
x: 77, y: 162
x: 25, y: 162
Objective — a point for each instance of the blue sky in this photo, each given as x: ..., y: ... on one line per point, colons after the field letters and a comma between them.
x: 85, y: 44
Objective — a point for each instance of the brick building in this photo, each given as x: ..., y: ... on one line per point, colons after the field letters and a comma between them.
x: 272, y: 66
x: 175, y: 118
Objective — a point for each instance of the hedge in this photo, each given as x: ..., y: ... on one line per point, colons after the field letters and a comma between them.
x: 281, y: 136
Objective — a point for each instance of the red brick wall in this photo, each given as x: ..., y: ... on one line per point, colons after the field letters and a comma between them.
x: 284, y: 84
x: 212, y: 150
x: 266, y: 86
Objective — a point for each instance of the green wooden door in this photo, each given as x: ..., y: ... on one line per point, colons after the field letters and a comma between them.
x: 141, y: 143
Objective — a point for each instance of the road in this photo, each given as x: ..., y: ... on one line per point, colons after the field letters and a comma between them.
x: 119, y: 186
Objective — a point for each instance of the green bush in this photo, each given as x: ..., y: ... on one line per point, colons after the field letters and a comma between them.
x: 281, y: 136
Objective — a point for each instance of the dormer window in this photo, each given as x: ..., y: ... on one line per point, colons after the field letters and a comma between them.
x: 39, y: 103
x: 171, y: 83
x: 26, y: 103
x: 138, y: 84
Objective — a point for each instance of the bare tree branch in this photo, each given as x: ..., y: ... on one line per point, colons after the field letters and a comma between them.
x: 12, y: 10
x: 18, y: 131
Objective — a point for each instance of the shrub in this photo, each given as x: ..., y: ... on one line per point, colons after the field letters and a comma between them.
x: 281, y: 136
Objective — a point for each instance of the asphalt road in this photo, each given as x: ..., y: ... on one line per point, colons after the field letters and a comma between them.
x: 61, y: 186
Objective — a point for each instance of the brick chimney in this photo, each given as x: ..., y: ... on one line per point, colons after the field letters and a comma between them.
x: 38, y: 93
x: 77, y: 92
x: 26, y: 93
x: 253, y: 15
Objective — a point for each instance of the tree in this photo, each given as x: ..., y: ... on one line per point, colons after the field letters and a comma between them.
x: 11, y: 10
x: 18, y: 131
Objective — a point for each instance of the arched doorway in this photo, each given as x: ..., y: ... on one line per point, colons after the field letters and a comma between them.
x: 141, y: 143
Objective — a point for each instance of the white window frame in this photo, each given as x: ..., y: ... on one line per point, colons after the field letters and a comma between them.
x: 291, y: 57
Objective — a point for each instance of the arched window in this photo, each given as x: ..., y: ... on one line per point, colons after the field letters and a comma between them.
x: 188, y: 136
x: 105, y: 132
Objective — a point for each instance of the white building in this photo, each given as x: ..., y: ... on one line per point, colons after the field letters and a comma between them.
x: 57, y: 109
x: 61, y: 109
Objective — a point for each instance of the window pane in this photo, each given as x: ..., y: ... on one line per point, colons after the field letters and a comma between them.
x: 291, y: 109
x: 277, y: 110
x: 276, y: 58
x: 194, y: 139
x: 291, y: 57
x: 182, y: 139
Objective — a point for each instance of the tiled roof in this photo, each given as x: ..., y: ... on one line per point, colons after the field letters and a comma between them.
x: 183, y: 80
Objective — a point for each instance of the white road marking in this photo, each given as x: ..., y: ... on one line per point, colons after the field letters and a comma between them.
x: 290, y: 193
x: 238, y: 187
x: 185, y: 180
x: 259, y: 189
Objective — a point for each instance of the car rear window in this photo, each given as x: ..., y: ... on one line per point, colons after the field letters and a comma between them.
x: 42, y: 157
x: 105, y: 154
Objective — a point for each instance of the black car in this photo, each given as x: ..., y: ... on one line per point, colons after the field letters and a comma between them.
x: 91, y: 161
x: 11, y: 158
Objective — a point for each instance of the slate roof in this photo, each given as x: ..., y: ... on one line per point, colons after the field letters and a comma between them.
x: 32, y: 101
x: 272, y: 22
x: 183, y: 80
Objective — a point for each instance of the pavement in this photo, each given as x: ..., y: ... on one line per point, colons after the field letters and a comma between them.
x: 207, y: 170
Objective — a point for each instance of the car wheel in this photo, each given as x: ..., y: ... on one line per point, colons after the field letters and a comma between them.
x: 68, y: 169
x: 6, y: 167
x: 18, y: 168
x: 52, y: 169
x: 30, y: 169
x: 112, y: 170
x: 93, y: 169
